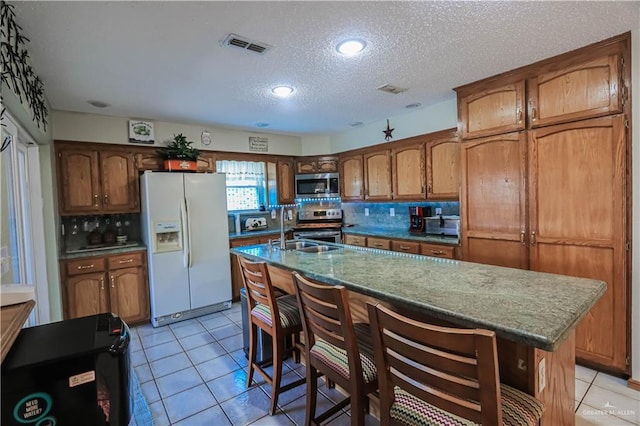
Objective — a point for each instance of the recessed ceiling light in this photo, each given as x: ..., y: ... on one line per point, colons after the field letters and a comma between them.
x: 356, y: 124
x: 282, y: 91
x: 262, y: 124
x: 411, y: 106
x: 351, y: 47
x: 98, y: 104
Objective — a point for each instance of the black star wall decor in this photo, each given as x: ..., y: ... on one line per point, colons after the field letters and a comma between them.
x: 387, y: 132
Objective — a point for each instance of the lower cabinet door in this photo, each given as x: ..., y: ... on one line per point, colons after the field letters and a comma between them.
x: 129, y: 295
x: 86, y: 295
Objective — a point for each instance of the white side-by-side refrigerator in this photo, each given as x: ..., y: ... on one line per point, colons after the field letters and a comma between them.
x: 186, y: 230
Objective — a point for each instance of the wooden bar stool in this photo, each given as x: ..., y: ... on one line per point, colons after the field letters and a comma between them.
x: 278, y: 317
x: 446, y: 376
x: 335, y: 347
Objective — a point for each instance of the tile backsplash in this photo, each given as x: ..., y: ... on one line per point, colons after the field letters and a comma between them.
x: 380, y: 213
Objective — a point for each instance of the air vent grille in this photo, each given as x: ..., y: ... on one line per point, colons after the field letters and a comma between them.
x: 234, y: 40
x: 392, y: 89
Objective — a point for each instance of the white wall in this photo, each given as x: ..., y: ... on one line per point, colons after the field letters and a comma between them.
x: 440, y: 116
x: 316, y: 145
x: 109, y: 129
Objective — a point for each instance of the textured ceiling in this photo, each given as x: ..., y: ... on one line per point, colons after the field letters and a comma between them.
x: 164, y: 61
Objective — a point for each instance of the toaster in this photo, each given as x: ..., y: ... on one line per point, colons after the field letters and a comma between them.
x: 443, y: 225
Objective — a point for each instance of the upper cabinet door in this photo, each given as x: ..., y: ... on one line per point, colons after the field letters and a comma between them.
x: 119, y: 182
x: 286, y: 194
x: 351, y: 178
x: 377, y: 175
x: 78, y: 181
x: 493, y: 111
x: 583, y: 90
x: 408, y: 172
x: 443, y: 168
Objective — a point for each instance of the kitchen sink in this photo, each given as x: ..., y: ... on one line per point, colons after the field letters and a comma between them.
x: 298, y: 245
x: 317, y: 249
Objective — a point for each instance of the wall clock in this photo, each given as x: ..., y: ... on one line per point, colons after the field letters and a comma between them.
x: 205, y: 138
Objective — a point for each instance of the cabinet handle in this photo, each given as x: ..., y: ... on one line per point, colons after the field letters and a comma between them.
x: 125, y: 261
x: 437, y: 252
x: 106, y: 199
x: 533, y: 238
x: 522, y: 239
x: 533, y: 113
x: 86, y: 266
x: 404, y: 248
x: 429, y: 188
x: 519, y: 115
x: 102, y: 283
x: 113, y: 282
x: 95, y: 200
x: 377, y: 245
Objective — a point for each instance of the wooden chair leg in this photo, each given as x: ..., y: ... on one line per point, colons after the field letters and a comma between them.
x: 296, y: 351
x: 357, y: 408
x: 312, y: 394
x: 329, y: 383
x: 278, y: 355
x: 253, y: 343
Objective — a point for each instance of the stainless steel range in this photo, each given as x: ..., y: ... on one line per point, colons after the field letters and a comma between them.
x: 322, y: 224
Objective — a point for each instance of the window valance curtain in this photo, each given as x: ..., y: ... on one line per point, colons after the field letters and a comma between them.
x: 241, y: 173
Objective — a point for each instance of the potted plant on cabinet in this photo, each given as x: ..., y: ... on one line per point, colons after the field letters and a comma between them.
x: 179, y: 155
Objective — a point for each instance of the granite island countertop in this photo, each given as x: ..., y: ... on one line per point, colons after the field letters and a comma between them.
x: 115, y: 249
x: 534, y: 308
x: 399, y: 234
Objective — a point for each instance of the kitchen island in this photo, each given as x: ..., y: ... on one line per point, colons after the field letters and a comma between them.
x: 533, y: 314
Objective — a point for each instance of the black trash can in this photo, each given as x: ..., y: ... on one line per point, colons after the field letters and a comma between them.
x: 265, y: 349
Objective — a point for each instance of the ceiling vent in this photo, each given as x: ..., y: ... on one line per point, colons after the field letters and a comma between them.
x: 392, y: 89
x: 234, y: 40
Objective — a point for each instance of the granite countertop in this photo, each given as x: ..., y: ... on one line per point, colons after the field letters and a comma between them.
x: 103, y: 252
x: 399, y: 234
x: 534, y: 308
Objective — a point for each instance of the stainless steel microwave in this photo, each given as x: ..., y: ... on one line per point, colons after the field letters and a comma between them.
x: 320, y: 185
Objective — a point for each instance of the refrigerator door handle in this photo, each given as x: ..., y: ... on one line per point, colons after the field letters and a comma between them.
x: 188, y: 233
x: 185, y: 233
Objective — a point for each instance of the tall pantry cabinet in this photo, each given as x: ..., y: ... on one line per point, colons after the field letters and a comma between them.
x: 544, y: 159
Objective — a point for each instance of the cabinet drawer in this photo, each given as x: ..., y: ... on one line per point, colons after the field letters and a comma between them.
x: 355, y: 240
x: 406, y: 247
x: 125, y: 260
x: 379, y: 243
x: 83, y: 266
x: 437, y: 250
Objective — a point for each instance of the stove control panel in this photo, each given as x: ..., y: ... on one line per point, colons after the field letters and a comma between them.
x: 320, y: 214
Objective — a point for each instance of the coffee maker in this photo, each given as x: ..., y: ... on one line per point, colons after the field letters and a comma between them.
x: 417, y: 218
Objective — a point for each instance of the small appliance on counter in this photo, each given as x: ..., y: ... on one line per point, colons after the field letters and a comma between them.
x: 448, y: 226
x: 73, y: 372
x: 417, y: 218
x: 255, y: 224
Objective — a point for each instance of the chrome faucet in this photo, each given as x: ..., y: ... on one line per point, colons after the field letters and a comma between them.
x: 283, y: 243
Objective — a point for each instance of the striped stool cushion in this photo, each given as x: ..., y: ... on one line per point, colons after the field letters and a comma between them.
x: 288, y: 307
x: 518, y: 409
x: 336, y: 358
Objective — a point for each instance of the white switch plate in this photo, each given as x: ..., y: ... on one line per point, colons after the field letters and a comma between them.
x: 366, y: 211
x: 289, y: 215
x: 542, y: 374
x: 392, y: 211
x: 438, y: 210
x: 273, y: 213
x: 4, y: 260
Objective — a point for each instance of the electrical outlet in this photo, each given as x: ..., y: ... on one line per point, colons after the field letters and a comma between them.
x: 4, y: 260
x: 392, y: 211
x: 289, y: 215
x: 366, y: 211
x: 542, y: 374
x: 438, y: 210
x: 273, y: 213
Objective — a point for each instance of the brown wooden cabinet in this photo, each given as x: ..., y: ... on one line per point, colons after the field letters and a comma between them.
x: 236, y: 276
x: 443, y: 167
x: 96, y: 179
x: 324, y: 164
x: 355, y: 240
x: 286, y: 192
x: 438, y: 250
x: 351, y: 177
x: 116, y: 283
x: 554, y: 198
x: 379, y: 243
x: 408, y: 171
x: 406, y: 246
x: 491, y: 110
x: 585, y: 89
x: 377, y: 175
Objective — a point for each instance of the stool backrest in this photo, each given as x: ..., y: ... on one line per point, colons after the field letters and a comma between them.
x: 325, y: 314
x: 257, y: 284
x: 452, y: 369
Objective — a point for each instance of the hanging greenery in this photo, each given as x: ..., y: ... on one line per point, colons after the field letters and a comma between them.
x: 17, y: 72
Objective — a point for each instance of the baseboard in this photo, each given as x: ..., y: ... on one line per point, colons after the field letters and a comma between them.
x: 634, y: 384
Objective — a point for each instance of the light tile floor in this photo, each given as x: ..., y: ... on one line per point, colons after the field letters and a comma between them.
x: 194, y: 373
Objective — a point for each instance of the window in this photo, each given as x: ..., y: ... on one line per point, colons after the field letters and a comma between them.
x: 246, y: 184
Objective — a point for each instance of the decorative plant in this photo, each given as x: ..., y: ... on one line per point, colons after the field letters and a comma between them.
x: 179, y: 149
